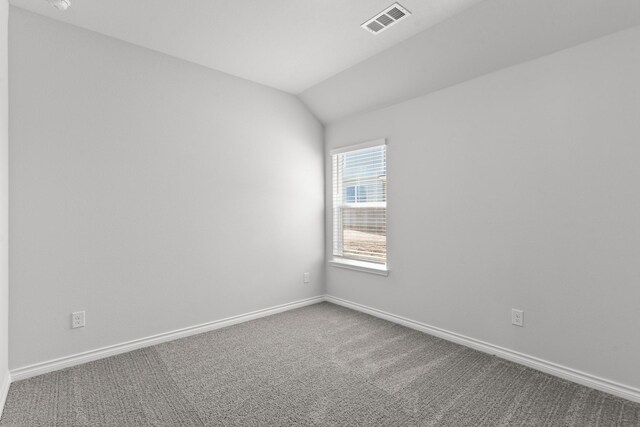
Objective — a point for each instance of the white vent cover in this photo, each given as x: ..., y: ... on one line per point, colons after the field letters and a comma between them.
x: 60, y: 4
x: 386, y: 18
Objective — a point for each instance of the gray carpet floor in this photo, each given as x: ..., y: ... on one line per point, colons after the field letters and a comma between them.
x: 321, y: 365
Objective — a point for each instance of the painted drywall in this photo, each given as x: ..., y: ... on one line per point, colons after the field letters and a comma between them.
x: 516, y: 190
x: 153, y: 193
x: 4, y: 199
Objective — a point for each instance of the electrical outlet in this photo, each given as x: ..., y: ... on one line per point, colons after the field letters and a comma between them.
x: 517, y: 317
x: 77, y: 319
x: 306, y: 278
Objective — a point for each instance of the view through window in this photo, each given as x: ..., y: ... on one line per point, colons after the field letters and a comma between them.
x: 360, y: 203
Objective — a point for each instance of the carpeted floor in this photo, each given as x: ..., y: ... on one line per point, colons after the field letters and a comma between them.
x: 316, y: 366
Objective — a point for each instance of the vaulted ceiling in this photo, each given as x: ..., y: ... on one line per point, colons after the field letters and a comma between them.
x: 317, y: 50
x: 287, y: 44
x: 491, y: 35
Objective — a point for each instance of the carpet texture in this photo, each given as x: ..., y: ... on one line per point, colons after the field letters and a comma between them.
x: 321, y: 365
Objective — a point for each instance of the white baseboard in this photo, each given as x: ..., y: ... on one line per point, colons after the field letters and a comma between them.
x: 4, y: 391
x: 583, y: 378
x: 100, y: 353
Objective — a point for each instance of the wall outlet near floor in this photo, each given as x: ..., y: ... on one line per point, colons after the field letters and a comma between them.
x: 517, y: 317
x: 77, y: 319
x: 306, y: 278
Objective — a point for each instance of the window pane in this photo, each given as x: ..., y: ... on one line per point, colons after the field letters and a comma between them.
x: 359, y: 201
x: 365, y: 233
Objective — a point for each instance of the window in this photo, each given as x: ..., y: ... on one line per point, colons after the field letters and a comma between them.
x: 360, y: 206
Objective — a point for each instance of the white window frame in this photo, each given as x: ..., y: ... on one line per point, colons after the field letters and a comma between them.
x: 351, y: 264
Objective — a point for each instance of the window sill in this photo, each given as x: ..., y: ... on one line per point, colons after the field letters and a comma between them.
x: 367, y: 267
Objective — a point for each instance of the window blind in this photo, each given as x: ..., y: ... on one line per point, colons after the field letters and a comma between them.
x: 360, y: 204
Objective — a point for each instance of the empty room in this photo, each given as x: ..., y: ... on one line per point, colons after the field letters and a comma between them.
x: 319, y: 213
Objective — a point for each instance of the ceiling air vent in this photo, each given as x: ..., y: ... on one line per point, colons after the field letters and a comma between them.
x: 60, y: 4
x: 386, y: 18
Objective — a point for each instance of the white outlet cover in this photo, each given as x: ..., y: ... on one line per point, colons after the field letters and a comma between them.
x: 77, y: 319
x: 306, y: 278
x: 517, y: 317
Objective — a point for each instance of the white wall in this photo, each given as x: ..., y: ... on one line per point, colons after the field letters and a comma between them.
x: 153, y: 193
x: 4, y: 195
x: 517, y: 190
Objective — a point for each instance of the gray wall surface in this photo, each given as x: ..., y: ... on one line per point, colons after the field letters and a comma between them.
x: 4, y: 194
x: 516, y: 190
x: 153, y: 193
